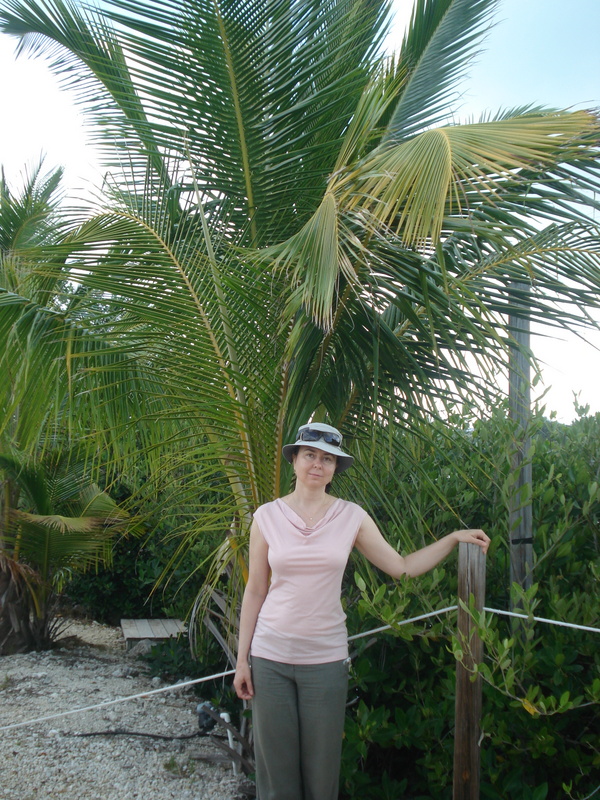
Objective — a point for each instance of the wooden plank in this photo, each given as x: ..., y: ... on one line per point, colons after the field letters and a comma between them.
x: 174, y: 626
x: 129, y: 628
x: 158, y: 629
x: 471, y: 582
x: 144, y: 630
x: 134, y: 630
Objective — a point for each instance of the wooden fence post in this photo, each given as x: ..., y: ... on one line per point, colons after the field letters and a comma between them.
x: 471, y: 581
x: 519, y: 396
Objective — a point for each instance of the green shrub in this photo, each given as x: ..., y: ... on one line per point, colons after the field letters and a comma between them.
x: 121, y: 590
x: 134, y: 586
x: 172, y: 661
x: 541, y: 691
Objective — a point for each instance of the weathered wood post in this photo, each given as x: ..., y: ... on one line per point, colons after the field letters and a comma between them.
x: 471, y: 581
x: 519, y: 396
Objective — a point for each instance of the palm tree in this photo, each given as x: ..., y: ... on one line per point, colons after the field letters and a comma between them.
x: 291, y: 227
x: 54, y: 522
x: 30, y: 219
x: 54, y: 519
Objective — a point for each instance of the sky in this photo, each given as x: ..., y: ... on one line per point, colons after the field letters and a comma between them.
x: 541, y: 52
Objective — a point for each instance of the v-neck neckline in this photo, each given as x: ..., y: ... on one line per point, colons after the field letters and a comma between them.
x: 299, y: 523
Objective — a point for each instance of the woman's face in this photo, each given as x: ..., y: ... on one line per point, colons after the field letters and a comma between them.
x: 314, y: 467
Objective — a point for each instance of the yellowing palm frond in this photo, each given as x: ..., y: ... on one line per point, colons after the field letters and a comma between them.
x: 411, y: 187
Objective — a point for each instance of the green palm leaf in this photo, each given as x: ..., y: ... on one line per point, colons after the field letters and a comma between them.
x: 411, y: 186
x: 436, y: 51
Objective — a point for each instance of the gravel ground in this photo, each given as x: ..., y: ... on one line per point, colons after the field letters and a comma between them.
x: 46, y: 760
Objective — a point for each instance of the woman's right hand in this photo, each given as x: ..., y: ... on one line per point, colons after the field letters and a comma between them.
x: 242, y: 682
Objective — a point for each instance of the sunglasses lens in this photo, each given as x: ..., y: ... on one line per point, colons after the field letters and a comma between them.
x: 313, y: 435
x: 309, y: 436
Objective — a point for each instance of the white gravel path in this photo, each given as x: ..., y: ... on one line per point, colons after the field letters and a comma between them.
x: 45, y: 761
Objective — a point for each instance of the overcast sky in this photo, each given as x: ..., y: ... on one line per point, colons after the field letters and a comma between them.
x: 545, y: 52
x: 542, y: 52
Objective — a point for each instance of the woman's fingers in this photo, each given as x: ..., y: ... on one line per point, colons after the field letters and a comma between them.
x: 242, y: 683
x: 474, y: 536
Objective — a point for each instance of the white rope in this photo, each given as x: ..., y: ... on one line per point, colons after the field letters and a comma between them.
x: 491, y: 611
x: 398, y: 624
x: 543, y: 619
x: 118, y: 700
x: 191, y: 682
x: 232, y: 671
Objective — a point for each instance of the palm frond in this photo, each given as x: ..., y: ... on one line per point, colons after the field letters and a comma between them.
x: 52, y: 541
x: 70, y: 37
x: 249, y: 87
x: 414, y: 184
x: 437, y: 49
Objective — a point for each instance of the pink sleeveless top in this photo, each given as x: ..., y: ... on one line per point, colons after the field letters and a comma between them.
x: 302, y: 620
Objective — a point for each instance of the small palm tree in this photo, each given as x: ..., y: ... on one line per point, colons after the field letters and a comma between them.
x: 54, y: 522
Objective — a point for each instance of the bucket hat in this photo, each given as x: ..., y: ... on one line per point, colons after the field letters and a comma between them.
x: 322, y: 437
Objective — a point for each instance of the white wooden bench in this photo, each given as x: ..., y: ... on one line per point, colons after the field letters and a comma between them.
x: 134, y: 630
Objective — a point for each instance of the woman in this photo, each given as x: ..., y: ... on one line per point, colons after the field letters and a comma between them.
x: 293, y: 651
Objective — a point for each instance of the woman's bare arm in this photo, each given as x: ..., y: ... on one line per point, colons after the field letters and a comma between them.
x: 374, y: 547
x: 254, y: 597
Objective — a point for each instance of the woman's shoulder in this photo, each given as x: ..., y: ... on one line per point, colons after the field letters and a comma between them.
x: 267, y: 508
x: 355, y: 508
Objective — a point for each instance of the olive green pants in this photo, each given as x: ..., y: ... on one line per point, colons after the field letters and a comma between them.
x: 298, y: 721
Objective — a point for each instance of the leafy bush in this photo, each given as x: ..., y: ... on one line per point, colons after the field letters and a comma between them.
x: 541, y: 728
x: 133, y: 586
x: 151, y: 575
x: 172, y: 661
x: 121, y: 590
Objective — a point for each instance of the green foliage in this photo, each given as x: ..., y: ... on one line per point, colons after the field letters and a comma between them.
x: 401, y: 726
x: 172, y: 661
x: 53, y: 521
x: 133, y: 585
x: 120, y: 590
x: 541, y: 690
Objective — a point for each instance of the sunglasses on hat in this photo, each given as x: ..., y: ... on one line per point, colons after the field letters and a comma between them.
x: 314, y: 435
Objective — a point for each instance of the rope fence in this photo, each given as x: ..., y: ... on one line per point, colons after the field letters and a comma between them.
x: 106, y: 703
x: 373, y: 631
x: 543, y: 619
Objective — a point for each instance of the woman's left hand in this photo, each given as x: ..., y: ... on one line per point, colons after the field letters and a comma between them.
x: 474, y: 536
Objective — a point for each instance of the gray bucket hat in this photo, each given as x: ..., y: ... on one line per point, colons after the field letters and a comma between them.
x: 322, y: 437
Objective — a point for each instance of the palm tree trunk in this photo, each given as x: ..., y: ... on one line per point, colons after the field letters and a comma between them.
x: 16, y: 633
